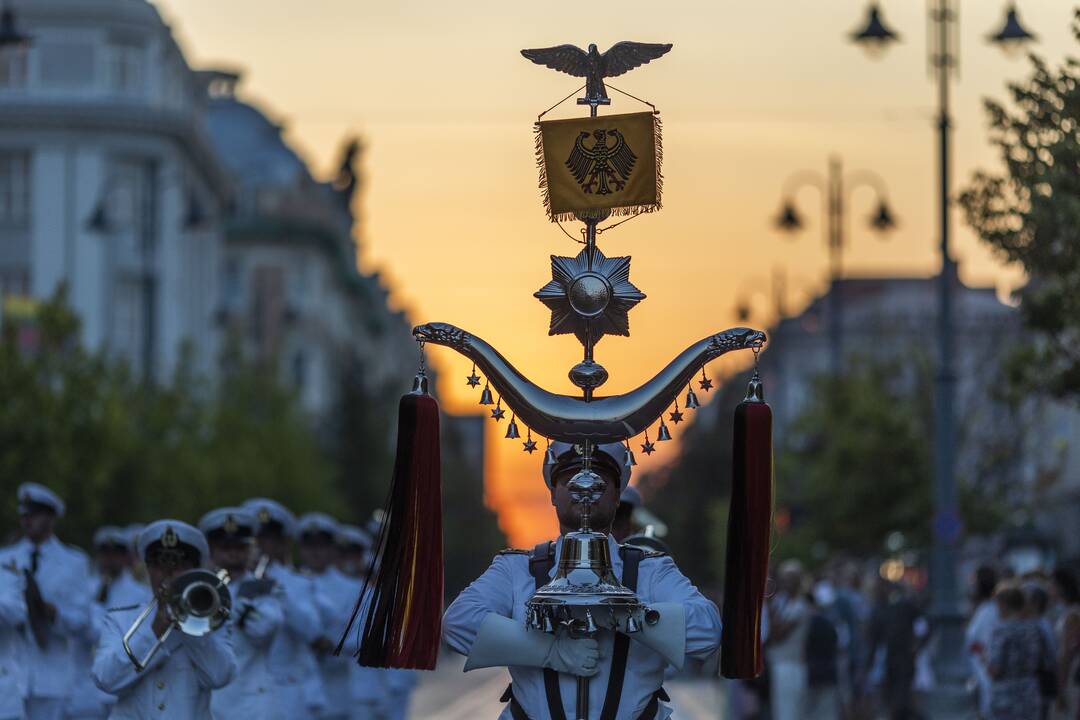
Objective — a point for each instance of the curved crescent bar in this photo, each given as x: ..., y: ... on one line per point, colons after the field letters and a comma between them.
x: 602, y: 419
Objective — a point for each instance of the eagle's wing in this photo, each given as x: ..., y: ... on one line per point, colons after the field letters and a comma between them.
x: 625, y: 56
x: 579, y: 163
x: 564, y: 58
x: 622, y: 158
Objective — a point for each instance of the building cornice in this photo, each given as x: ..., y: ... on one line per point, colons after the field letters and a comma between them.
x: 121, y: 119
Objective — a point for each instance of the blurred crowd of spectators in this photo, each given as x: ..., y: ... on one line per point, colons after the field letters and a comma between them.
x: 851, y: 644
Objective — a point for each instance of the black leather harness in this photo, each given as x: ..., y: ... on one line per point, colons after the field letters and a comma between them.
x: 541, y: 560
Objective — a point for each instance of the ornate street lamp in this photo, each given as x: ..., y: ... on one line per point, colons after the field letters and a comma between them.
x: 950, y: 664
x: 835, y: 188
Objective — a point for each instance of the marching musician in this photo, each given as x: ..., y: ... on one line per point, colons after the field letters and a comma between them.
x: 256, y: 617
x: 178, y: 678
x: 381, y: 693
x: 292, y: 659
x: 112, y: 587
x: 487, y: 620
x: 12, y: 644
x: 336, y: 593
x: 54, y: 584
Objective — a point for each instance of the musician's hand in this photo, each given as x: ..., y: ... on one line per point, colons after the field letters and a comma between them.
x: 162, y: 621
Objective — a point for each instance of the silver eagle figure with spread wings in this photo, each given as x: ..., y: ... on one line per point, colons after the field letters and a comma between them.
x: 594, y: 66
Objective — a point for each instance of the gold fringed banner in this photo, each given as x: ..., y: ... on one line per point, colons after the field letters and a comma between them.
x: 608, y: 163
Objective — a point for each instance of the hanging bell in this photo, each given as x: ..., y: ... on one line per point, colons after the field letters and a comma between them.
x: 548, y: 626
x: 485, y: 396
x: 512, y: 430
x: 663, y: 434
x: 590, y: 624
x: 630, y: 460
x: 632, y: 625
x: 549, y: 456
x: 691, y: 400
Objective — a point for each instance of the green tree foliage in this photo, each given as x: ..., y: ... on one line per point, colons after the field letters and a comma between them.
x: 121, y: 451
x: 1029, y: 214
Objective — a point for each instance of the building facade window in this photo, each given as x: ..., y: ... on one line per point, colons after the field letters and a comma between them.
x: 127, y: 68
x: 12, y: 68
x: 14, y: 187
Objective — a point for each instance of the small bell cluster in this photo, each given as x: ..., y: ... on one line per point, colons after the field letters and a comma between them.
x: 648, y: 447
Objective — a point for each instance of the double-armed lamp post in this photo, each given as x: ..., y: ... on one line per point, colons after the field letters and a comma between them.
x: 835, y: 188
x: 950, y: 664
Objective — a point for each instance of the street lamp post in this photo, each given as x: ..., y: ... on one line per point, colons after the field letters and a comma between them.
x: 950, y: 666
x: 834, y: 187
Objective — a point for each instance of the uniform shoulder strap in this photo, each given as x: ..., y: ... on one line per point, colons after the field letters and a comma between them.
x: 515, y: 551
x: 541, y: 559
x: 631, y: 557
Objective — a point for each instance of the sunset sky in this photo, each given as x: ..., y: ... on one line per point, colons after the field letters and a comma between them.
x: 751, y: 92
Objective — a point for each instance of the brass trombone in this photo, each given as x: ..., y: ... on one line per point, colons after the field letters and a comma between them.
x: 198, y: 603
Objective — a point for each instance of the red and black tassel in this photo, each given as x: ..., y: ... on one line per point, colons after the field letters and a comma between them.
x: 402, y: 598
x: 749, y: 536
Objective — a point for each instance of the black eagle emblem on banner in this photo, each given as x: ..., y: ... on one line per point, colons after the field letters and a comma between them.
x: 604, y: 167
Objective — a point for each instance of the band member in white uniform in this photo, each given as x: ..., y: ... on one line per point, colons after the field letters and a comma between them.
x: 292, y: 658
x: 487, y: 620
x: 256, y: 617
x: 55, y: 580
x: 178, y: 679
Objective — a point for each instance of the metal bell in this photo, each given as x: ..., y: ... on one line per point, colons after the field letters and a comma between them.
x: 549, y: 456
x: 632, y: 625
x: 485, y: 396
x: 691, y: 400
x: 549, y: 627
x: 512, y: 431
x: 663, y: 434
x: 590, y: 624
x: 630, y: 460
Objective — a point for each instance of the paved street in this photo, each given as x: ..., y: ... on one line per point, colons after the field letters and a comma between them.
x: 449, y: 694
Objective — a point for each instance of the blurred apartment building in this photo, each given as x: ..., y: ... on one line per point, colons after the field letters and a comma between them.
x: 107, y: 180
x: 1031, y: 450
x: 174, y: 212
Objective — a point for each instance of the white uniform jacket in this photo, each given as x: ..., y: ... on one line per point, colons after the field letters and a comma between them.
x: 505, y: 587
x: 176, y: 684
x: 337, y: 594
x: 252, y: 694
x: 13, y: 620
x: 87, y: 699
x: 292, y: 661
x: 63, y: 576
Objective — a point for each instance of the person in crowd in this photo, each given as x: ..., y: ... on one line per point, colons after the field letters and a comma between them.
x: 112, y: 587
x: 178, y: 678
x: 54, y: 579
x: 785, y: 651
x: 822, y: 657
x: 1012, y: 661
x: 898, y: 628
x: 256, y: 617
x: 979, y: 630
x: 354, y: 551
x: 1037, y: 603
x: 486, y: 622
x: 292, y: 658
x: 1066, y: 591
x: 337, y: 593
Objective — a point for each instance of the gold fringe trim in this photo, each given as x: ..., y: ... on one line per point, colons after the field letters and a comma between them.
x: 602, y: 213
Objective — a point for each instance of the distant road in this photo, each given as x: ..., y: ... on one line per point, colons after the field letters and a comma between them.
x: 450, y: 694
